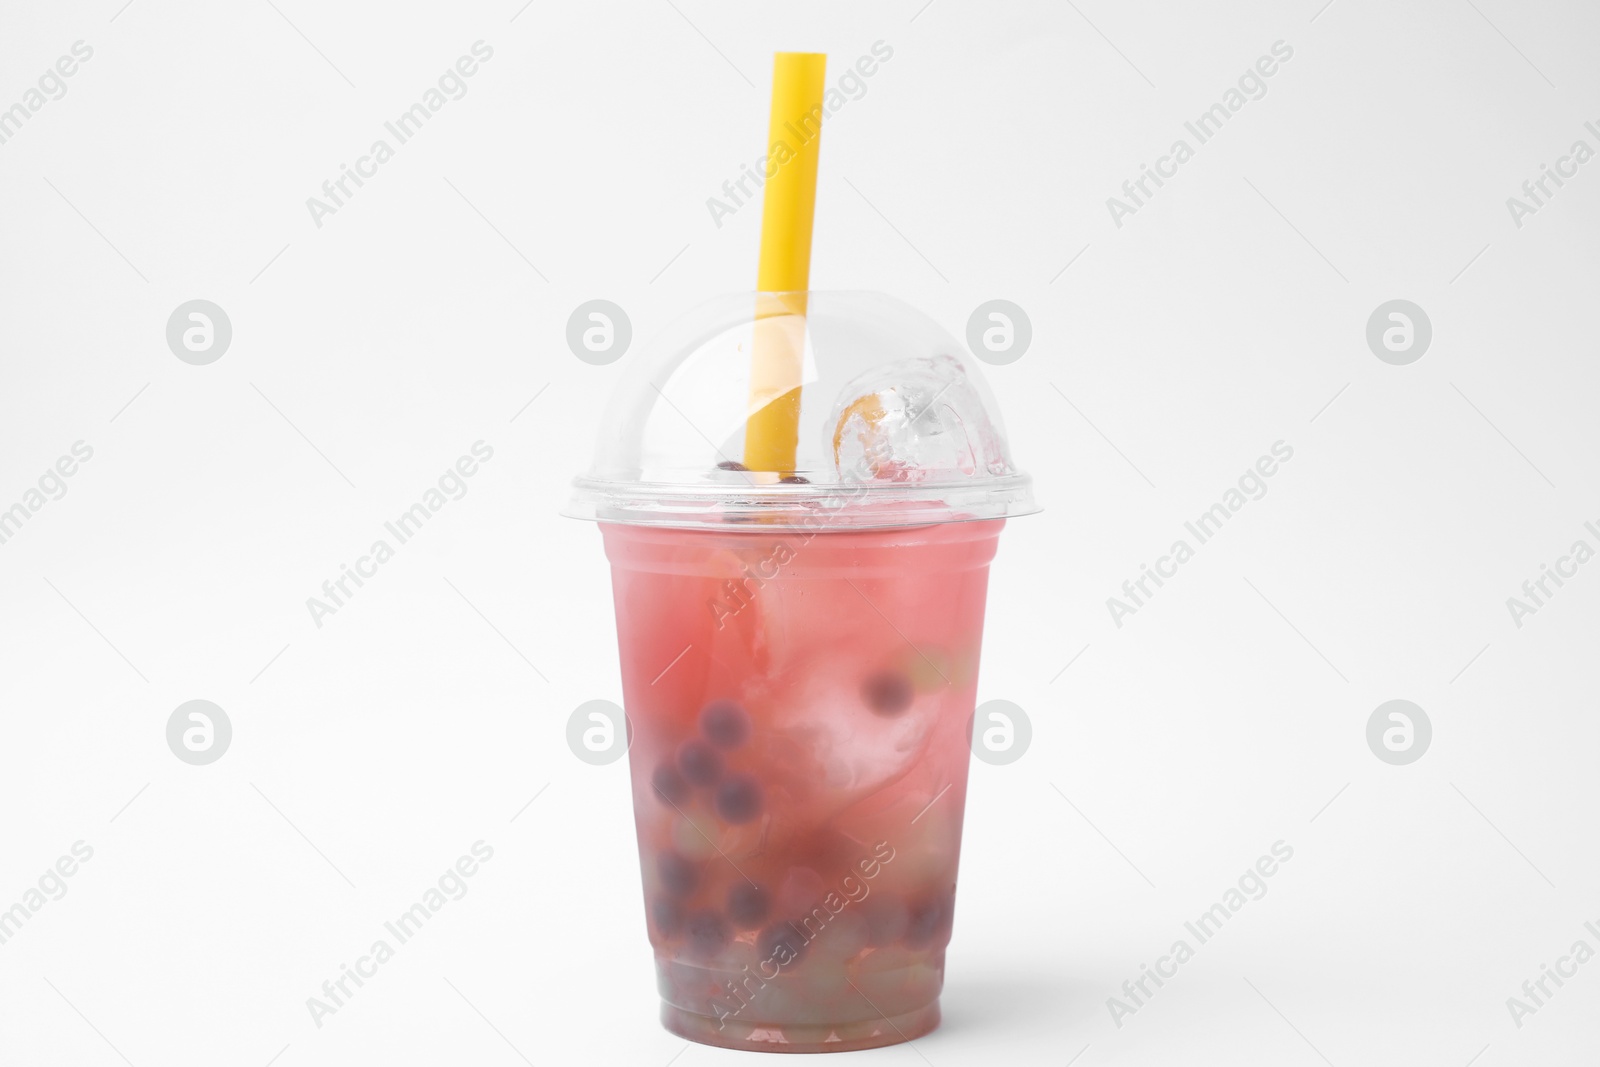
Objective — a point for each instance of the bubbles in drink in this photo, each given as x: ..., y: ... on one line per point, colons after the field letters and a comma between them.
x: 738, y: 799
x: 725, y: 724
x: 699, y: 762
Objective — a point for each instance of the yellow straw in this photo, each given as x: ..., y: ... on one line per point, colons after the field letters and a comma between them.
x: 794, y: 138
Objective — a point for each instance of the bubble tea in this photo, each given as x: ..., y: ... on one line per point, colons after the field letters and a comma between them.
x: 799, y: 665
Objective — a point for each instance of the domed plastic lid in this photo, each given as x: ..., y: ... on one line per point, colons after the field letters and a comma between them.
x: 895, y: 425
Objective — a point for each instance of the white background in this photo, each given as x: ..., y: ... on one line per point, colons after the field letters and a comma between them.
x: 371, y: 352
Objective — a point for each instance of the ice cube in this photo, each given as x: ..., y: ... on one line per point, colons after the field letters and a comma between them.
x: 913, y: 420
x: 858, y: 753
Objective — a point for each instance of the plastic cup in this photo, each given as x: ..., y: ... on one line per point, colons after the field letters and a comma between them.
x: 799, y: 668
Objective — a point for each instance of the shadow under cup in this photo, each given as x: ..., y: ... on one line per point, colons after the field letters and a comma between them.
x: 801, y: 705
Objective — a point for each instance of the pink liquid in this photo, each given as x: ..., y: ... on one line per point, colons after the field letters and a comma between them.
x: 801, y: 708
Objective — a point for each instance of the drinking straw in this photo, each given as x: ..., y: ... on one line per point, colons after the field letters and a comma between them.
x: 794, y: 138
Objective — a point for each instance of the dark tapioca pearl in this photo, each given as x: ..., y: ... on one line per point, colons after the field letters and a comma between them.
x: 699, y: 762
x: 795, y: 479
x: 679, y: 875
x: 888, y: 693
x: 669, y: 785
x: 738, y: 799
x: 781, y: 943
x: 667, y: 916
x: 748, y: 904
x: 731, y: 465
x: 887, y: 917
x: 725, y: 724
x: 930, y: 922
x: 706, y: 934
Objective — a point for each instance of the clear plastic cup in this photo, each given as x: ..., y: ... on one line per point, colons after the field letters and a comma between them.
x: 799, y: 657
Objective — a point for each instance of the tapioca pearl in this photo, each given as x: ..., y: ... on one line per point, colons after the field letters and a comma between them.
x: 699, y: 762
x: 781, y: 944
x: 666, y: 916
x: 669, y: 785
x: 887, y: 917
x: 739, y: 799
x: 705, y: 935
x: 725, y: 724
x: 679, y: 874
x: 923, y: 924
x: 887, y: 693
x: 801, y: 890
x: 748, y: 905
x: 930, y: 921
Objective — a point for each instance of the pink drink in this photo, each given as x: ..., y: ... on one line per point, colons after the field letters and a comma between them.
x: 800, y: 658
x: 801, y: 708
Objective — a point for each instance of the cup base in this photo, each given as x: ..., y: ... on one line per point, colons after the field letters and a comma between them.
x: 823, y: 1037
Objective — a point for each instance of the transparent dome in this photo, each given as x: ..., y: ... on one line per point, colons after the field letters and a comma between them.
x: 895, y: 425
